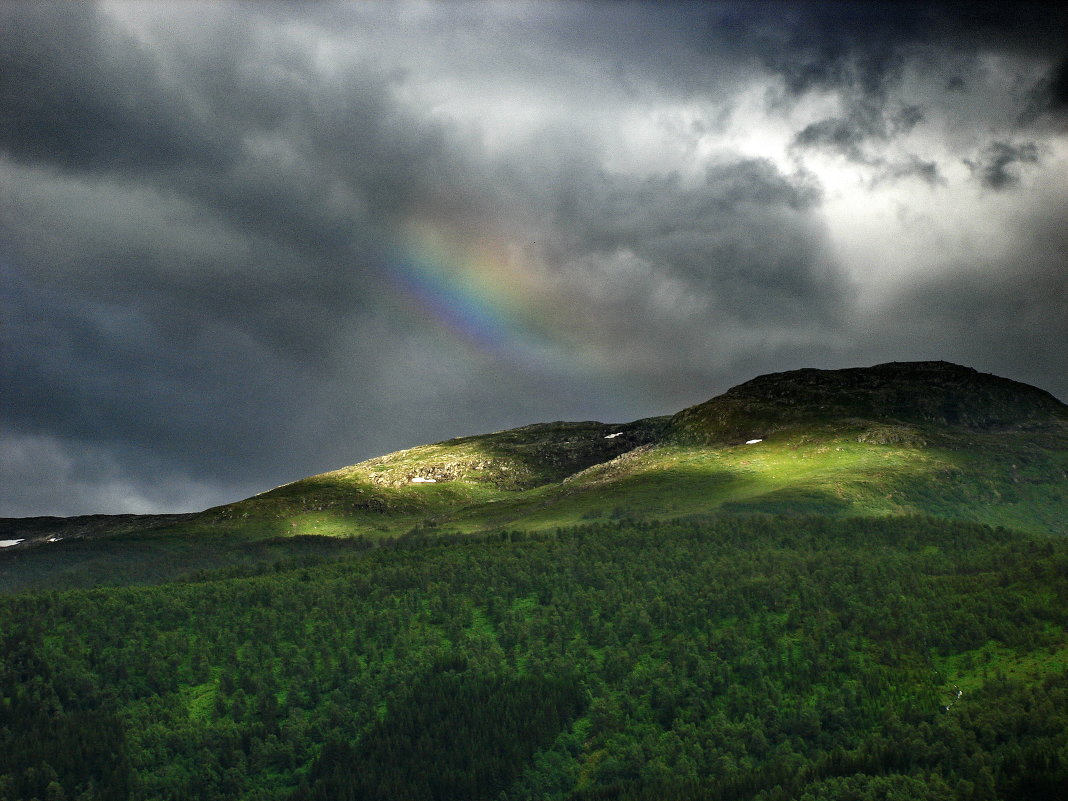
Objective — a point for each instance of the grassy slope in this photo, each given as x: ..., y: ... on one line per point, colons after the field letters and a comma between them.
x: 896, y: 439
x: 1015, y: 479
x: 549, y: 476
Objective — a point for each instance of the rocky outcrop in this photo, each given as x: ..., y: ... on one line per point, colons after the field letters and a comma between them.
x: 516, y: 459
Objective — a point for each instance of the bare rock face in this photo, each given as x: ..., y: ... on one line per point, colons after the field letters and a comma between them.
x: 430, y: 472
x: 893, y: 394
x: 879, y: 434
x: 517, y: 459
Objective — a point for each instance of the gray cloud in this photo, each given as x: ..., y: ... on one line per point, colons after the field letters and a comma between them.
x: 912, y: 167
x: 867, y: 45
x: 869, y: 54
x: 860, y: 138
x: 1058, y: 86
x: 213, y: 218
x: 995, y: 166
x: 867, y: 122
x: 79, y: 93
x: 724, y: 237
x: 1000, y: 312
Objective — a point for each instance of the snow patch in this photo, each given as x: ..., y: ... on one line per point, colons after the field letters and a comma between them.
x: 9, y: 543
x: 753, y: 441
x: 421, y: 480
x: 613, y: 436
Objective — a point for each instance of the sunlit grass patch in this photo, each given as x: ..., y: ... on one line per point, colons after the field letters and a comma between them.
x: 200, y: 699
x: 972, y: 669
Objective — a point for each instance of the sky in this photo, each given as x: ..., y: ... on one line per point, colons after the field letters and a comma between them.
x: 245, y: 243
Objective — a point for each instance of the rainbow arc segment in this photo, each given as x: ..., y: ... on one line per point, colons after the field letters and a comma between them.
x: 480, y: 289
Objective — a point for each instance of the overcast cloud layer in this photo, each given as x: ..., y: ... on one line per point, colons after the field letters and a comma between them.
x: 246, y: 243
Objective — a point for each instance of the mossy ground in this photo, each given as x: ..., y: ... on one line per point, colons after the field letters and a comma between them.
x: 1017, y: 481
x: 560, y: 475
x: 976, y: 668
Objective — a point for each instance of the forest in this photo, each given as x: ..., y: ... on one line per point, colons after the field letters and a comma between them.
x: 751, y: 657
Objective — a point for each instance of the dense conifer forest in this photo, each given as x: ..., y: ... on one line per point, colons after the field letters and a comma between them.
x: 753, y: 658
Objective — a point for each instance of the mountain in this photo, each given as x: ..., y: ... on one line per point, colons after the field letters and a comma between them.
x: 932, y: 394
x: 787, y: 592
x: 894, y: 439
x: 897, y: 438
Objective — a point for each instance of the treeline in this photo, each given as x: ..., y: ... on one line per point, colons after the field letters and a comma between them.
x: 736, y: 658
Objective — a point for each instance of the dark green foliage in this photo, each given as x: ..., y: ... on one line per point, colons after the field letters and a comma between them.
x: 455, y: 736
x: 185, y: 554
x: 788, y: 502
x: 751, y: 658
x: 56, y: 734
x: 651, y: 656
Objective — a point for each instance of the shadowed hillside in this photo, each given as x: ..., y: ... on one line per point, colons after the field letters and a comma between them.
x: 933, y: 395
x: 894, y: 439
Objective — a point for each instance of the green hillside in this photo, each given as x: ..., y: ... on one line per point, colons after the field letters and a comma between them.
x: 748, y: 658
x: 897, y: 439
x: 927, y: 437
x: 820, y: 585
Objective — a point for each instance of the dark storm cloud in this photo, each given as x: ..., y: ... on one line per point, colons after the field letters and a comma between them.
x: 864, y: 52
x: 200, y: 204
x: 79, y: 93
x: 189, y: 309
x: 866, y: 69
x: 317, y: 170
x: 996, y: 166
x: 866, y: 45
x: 867, y: 122
x: 860, y: 137
x: 202, y: 317
x: 740, y: 238
x: 1058, y: 86
x: 914, y: 167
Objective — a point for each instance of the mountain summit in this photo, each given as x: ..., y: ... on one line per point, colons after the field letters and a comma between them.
x: 932, y: 393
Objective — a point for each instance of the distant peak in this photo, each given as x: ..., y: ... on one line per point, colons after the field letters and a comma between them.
x: 936, y: 393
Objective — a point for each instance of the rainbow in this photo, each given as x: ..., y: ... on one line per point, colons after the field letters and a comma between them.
x: 481, y: 289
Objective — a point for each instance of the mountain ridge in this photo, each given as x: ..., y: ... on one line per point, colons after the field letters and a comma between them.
x: 896, y: 438
x: 1040, y: 407
x: 929, y: 392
